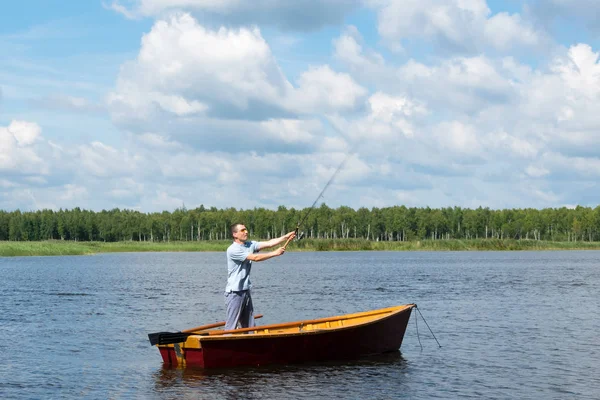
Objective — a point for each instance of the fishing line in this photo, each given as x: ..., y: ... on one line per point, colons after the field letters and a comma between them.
x: 321, y: 194
x: 301, y: 235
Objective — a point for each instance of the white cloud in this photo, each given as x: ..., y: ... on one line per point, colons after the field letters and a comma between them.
x: 182, y: 66
x: 536, y: 172
x: 105, y: 161
x: 18, y: 153
x: 493, y: 120
x: 502, y: 31
x: 126, y: 188
x: 6, y: 184
x: 390, y: 115
x: 580, y: 71
x: 322, y: 90
x: 454, y: 26
x: 74, y: 192
x: 26, y: 133
x: 511, y: 145
x: 288, y: 15
x: 291, y: 130
x: 177, y: 105
x: 157, y: 141
x: 464, y: 84
x: 560, y: 103
x: 386, y: 108
x: 36, y: 180
x: 200, y: 87
x: 546, y: 197
x: 163, y: 200
x: 436, y: 125
x: 333, y: 145
x: 579, y: 167
x: 407, y: 198
x: 458, y: 137
x: 195, y: 165
x: 364, y: 62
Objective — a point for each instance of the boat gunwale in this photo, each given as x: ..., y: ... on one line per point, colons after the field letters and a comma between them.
x: 387, y: 313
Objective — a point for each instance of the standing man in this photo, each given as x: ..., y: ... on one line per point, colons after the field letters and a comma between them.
x: 240, y: 256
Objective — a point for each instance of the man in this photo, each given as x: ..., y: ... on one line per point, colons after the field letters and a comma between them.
x: 240, y: 256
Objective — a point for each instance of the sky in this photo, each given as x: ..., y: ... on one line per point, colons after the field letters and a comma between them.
x: 154, y: 105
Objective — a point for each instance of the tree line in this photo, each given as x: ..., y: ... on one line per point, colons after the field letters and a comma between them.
x: 398, y: 223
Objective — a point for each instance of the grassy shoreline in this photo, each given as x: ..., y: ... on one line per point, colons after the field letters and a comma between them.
x: 62, y: 248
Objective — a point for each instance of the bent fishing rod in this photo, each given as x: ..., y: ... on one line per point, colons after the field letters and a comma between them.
x: 301, y: 222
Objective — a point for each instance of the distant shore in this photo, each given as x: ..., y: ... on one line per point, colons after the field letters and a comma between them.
x: 62, y: 248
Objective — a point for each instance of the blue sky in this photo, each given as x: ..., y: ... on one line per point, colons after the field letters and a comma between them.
x: 153, y: 104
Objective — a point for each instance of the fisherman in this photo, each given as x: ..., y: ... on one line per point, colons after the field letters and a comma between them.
x: 240, y: 256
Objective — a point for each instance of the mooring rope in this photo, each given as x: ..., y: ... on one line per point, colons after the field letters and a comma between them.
x: 427, y: 327
x: 417, y: 326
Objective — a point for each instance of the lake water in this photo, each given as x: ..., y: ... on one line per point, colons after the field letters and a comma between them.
x: 520, y: 325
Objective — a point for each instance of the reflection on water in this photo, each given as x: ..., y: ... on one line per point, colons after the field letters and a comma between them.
x: 273, y: 381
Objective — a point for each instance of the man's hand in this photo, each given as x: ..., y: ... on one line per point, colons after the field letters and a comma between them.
x: 288, y: 238
x: 289, y: 235
x: 277, y: 241
x: 279, y: 251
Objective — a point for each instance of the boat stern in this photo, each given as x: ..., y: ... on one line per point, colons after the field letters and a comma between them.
x: 181, y: 354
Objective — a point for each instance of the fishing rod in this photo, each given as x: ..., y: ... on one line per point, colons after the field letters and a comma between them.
x: 316, y: 200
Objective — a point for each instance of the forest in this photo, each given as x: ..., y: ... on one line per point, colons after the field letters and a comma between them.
x: 397, y: 223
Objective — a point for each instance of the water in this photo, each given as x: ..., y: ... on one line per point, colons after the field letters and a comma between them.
x: 512, y: 324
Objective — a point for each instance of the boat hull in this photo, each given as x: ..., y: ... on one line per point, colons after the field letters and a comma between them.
x: 384, y: 334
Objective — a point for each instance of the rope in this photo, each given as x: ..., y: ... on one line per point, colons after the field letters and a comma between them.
x: 427, y: 326
x: 418, y: 337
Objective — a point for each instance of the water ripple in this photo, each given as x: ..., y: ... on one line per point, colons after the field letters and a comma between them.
x: 512, y: 325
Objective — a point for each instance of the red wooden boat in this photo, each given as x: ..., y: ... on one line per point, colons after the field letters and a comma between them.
x: 334, y: 338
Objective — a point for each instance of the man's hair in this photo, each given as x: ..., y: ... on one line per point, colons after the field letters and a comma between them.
x: 233, y: 227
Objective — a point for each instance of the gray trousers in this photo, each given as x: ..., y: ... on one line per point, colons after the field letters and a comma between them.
x: 239, y: 309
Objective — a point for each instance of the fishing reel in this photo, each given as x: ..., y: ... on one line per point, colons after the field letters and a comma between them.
x: 299, y: 235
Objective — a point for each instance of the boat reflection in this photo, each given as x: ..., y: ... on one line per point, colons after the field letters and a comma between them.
x: 230, y: 380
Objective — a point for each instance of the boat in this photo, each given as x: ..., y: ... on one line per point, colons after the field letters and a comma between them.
x: 341, y: 337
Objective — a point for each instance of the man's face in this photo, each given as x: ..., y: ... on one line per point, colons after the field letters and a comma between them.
x: 242, y: 233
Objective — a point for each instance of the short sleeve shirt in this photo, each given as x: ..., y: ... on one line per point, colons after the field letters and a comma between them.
x: 238, y: 267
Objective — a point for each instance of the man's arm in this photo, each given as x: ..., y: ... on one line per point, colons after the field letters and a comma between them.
x: 265, y: 256
x: 274, y: 242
